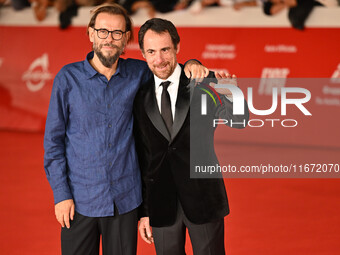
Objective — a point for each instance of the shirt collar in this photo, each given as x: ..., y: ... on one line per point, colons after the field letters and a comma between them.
x: 173, y: 78
x: 90, y: 71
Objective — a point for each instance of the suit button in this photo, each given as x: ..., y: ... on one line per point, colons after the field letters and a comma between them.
x: 174, y: 148
x: 151, y: 180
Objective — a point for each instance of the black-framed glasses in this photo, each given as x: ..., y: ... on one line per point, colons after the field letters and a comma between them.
x: 103, y: 33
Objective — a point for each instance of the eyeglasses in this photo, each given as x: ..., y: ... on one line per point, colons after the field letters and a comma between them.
x: 103, y: 33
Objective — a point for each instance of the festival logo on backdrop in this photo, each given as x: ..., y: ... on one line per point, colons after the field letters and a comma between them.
x: 37, y: 74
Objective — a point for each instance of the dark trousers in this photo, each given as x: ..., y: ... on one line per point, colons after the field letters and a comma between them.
x: 206, y: 239
x: 119, y: 235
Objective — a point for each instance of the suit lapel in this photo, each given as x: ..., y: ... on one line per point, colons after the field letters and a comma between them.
x: 152, y: 110
x: 182, y: 104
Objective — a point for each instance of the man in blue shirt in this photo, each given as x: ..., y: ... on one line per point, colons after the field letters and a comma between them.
x: 90, y: 158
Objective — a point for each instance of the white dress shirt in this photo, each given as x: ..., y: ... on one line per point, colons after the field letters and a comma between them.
x: 172, y: 89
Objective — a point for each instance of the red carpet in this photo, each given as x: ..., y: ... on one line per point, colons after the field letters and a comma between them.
x: 268, y: 216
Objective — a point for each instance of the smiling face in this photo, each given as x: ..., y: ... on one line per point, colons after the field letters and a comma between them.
x: 108, y: 50
x: 160, y: 53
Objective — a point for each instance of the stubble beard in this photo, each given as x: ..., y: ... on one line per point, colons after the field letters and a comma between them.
x: 163, y: 74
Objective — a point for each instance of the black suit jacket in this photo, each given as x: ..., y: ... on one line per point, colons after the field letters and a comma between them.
x: 165, y: 158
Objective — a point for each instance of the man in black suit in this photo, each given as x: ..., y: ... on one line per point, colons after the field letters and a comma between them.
x: 165, y: 128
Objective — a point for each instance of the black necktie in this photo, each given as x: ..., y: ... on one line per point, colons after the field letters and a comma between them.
x: 166, y: 106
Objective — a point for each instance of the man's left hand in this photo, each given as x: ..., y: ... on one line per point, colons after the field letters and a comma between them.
x: 145, y: 230
x: 224, y: 78
x: 194, y: 70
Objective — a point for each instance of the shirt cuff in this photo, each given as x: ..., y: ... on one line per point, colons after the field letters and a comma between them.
x: 62, y: 194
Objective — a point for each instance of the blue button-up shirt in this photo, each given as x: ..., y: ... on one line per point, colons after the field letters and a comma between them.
x: 89, y: 146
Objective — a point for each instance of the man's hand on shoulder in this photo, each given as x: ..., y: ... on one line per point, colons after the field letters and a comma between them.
x: 194, y: 70
x: 145, y: 230
x: 64, y: 212
x: 226, y: 79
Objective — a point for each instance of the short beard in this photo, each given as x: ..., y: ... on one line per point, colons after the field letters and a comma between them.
x: 110, y: 60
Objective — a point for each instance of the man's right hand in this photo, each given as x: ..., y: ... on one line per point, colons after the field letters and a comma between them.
x: 145, y: 230
x: 64, y: 211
